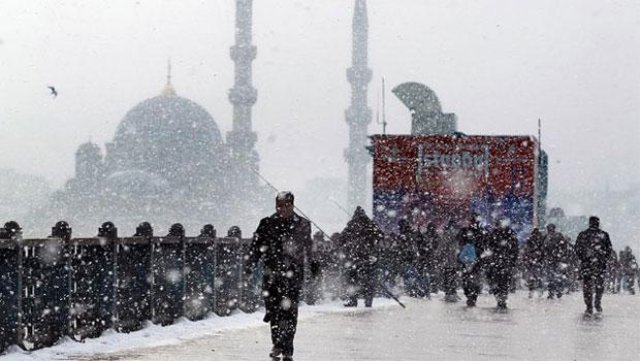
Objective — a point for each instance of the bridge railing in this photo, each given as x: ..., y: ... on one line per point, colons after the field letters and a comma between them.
x: 79, y: 287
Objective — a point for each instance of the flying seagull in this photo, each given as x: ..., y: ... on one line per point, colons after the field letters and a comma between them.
x: 53, y: 90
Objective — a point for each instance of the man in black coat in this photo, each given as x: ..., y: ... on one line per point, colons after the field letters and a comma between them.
x: 593, y: 248
x: 283, y: 240
x: 407, y: 247
x: 502, y: 247
x: 628, y: 269
x: 360, y: 239
x: 471, y: 240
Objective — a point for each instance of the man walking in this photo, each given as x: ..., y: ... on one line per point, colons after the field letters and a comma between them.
x: 593, y: 248
x: 283, y: 240
x: 471, y: 241
x: 502, y: 245
x: 360, y: 239
x: 628, y: 268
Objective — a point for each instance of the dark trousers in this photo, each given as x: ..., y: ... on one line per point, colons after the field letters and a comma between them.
x: 629, y: 280
x: 360, y: 282
x: 281, y: 306
x: 471, y: 285
x: 500, y: 281
x: 590, y: 283
x: 534, y: 279
x: 556, y: 281
x: 449, y: 280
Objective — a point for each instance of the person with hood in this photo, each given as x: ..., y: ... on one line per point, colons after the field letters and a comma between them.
x: 471, y: 241
x: 407, y: 243
x: 628, y: 269
x: 360, y: 239
x: 593, y: 248
x: 502, y: 255
x: 283, y: 241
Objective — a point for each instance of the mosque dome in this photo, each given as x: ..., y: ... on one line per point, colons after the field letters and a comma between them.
x: 169, y: 136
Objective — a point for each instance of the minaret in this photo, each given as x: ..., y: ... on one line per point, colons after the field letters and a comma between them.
x: 358, y: 115
x: 168, y: 90
x: 243, y: 95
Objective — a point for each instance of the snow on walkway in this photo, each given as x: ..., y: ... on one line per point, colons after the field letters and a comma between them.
x: 534, y: 329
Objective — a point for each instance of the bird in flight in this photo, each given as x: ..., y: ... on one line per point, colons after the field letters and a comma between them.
x: 53, y: 91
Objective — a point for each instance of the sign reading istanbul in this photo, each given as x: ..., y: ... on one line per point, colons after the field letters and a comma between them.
x: 474, y: 159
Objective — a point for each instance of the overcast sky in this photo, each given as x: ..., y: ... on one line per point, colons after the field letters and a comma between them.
x: 499, y: 65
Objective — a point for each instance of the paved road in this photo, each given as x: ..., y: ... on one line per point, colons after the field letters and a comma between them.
x: 534, y: 329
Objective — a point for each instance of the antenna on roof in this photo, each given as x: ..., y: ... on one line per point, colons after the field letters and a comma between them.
x: 384, y: 113
x: 539, y: 137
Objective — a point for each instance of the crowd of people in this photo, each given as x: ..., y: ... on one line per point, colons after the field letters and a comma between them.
x: 361, y: 262
x: 471, y: 257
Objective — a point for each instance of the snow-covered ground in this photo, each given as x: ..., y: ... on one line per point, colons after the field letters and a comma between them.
x: 533, y: 329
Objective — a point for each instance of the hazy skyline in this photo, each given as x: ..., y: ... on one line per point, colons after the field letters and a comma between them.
x: 499, y: 65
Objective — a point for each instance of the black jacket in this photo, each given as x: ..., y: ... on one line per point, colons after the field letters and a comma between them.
x: 556, y: 249
x: 534, y: 251
x: 502, y: 247
x: 360, y: 240
x: 285, y: 245
x: 593, y: 248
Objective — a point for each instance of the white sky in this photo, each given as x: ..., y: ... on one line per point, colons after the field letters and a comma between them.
x: 499, y: 65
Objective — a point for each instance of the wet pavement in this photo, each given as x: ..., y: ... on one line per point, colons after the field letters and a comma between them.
x: 533, y: 329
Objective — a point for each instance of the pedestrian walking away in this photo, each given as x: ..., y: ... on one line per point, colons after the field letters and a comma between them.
x: 283, y: 241
x: 360, y: 240
x: 502, y: 247
x: 471, y: 240
x: 593, y: 248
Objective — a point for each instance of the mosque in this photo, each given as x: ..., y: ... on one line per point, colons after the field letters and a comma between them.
x: 168, y: 161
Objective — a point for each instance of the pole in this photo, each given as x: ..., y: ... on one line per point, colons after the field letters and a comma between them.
x: 384, y: 112
x: 339, y: 206
x: 386, y: 290
x: 539, y: 137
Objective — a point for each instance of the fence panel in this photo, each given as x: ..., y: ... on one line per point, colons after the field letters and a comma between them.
x: 167, y: 285
x: 9, y: 291
x: 251, y: 289
x: 44, y: 294
x: 228, y: 275
x: 199, y: 277
x: 132, y: 262
x: 91, y: 286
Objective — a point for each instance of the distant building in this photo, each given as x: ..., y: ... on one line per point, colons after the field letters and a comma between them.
x: 168, y: 162
x: 570, y: 226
